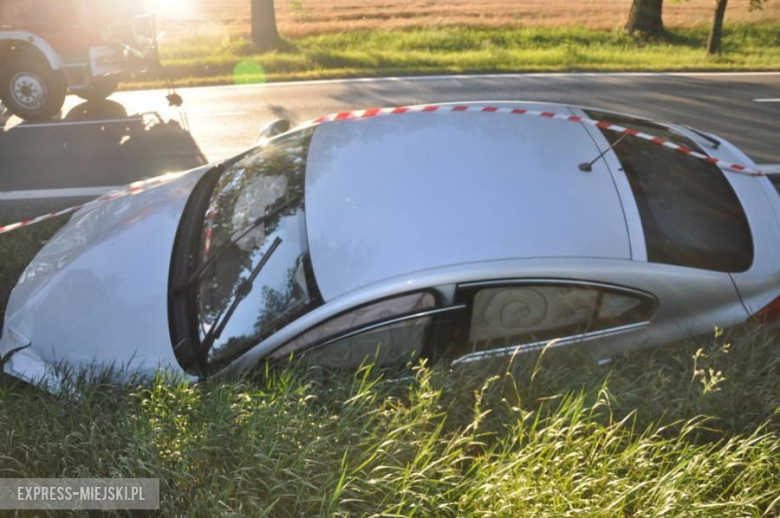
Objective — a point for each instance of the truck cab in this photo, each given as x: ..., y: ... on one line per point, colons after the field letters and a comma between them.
x: 48, y: 47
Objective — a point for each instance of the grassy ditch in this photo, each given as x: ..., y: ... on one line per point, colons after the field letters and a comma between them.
x: 689, y: 430
x: 215, y: 60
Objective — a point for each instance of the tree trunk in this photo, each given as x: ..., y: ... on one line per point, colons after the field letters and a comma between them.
x: 714, y: 45
x: 646, y: 17
x: 265, y: 35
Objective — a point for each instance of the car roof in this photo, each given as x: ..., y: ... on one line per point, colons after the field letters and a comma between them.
x: 394, y: 195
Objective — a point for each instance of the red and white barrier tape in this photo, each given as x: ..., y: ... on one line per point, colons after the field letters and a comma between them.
x: 380, y: 112
x: 132, y: 189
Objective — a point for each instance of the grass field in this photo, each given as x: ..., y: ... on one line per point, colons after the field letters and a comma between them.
x: 210, y: 60
x: 686, y: 431
x: 299, y: 18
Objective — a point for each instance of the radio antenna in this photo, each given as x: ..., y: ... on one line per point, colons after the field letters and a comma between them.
x: 587, y: 167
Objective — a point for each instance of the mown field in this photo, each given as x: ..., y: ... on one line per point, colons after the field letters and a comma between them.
x: 690, y: 430
x: 207, y: 40
x: 299, y: 18
x: 213, y: 60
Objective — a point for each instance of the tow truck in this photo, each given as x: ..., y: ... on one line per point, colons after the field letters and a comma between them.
x: 50, y: 47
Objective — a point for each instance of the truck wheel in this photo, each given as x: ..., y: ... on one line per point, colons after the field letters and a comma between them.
x: 32, y: 90
x: 100, y: 88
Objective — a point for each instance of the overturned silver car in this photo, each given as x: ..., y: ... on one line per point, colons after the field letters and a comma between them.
x: 454, y: 237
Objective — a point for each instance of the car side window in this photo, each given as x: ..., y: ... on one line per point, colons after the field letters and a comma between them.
x: 392, y: 345
x: 392, y: 342
x: 509, y: 316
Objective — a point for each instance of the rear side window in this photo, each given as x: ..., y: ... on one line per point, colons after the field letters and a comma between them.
x: 535, y: 313
x: 690, y: 214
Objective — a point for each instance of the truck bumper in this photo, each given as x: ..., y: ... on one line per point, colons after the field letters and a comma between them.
x: 107, y: 61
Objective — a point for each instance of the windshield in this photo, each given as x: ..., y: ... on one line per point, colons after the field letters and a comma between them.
x: 690, y: 214
x: 267, y: 183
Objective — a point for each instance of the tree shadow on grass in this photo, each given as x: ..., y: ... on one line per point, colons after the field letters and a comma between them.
x: 684, y: 39
x: 245, y: 47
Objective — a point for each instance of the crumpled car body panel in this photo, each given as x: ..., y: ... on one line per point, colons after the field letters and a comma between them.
x: 104, y: 279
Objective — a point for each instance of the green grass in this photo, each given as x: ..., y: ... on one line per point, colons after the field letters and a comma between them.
x: 461, y: 50
x: 686, y: 431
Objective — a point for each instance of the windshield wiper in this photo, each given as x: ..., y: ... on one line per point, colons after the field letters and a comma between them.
x: 243, y: 290
x: 221, y: 249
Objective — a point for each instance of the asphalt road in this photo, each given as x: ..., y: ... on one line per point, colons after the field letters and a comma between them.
x: 136, y: 135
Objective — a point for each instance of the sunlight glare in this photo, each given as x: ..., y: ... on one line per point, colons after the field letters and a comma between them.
x: 170, y: 8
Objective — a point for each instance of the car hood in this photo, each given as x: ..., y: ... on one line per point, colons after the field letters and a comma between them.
x: 97, y: 294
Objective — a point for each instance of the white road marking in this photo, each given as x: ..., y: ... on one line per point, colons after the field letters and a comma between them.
x: 770, y: 168
x: 18, y: 123
x: 50, y: 194
x: 767, y: 100
x: 202, y: 113
x: 80, y: 123
x: 487, y: 76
